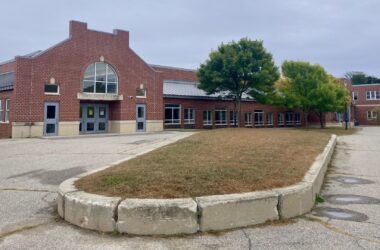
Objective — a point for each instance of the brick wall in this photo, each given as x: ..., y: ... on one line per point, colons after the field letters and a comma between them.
x: 360, y: 107
x: 211, y: 105
x: 5, y: 128
x: 66, y: 63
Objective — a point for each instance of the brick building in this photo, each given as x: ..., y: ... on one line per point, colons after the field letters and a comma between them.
x: 93, y: 82
x: 365, y: 101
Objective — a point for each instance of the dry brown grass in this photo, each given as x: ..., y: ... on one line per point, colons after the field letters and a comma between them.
x: 219, y: 161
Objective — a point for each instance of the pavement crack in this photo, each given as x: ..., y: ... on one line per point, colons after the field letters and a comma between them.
x: 27, y: 190
x: 249, y: 239
x: 360, y: 246
x: 23, y: 229
x: 340, y: 230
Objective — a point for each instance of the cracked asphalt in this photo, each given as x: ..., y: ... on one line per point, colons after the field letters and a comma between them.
x: 31, y: 170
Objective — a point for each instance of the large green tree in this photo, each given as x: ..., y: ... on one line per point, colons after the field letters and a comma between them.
x: 332, y: 96
x: 300, y: 83
x: 239, y: 69
x: 309, y: 88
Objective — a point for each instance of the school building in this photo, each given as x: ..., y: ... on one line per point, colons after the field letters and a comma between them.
x: 93, y: 82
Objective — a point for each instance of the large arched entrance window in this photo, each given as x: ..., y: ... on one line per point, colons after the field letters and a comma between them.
x: 100, y: 78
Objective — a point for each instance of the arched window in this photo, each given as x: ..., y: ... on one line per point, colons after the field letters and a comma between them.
x: 100, y: 77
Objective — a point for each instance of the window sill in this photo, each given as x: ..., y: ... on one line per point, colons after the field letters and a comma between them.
x: 99, y: 97
x: 51, y: 93
x: 1, y: 122
x: 141, y: 97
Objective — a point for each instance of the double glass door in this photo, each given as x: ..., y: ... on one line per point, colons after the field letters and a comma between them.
x: 93, y: 118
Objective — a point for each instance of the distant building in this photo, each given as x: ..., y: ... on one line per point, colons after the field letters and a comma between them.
x: 365, y: 101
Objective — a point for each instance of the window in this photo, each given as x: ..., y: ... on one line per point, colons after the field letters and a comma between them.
x: 354, y: 95
x: 297, y: 118
x: 189, y: 116
x: 1, y: 110
x: 172, y: 114
x: 51, y: 89
x: 207, y: 118
x: 100, y: 77
x: 140, y: 93
x: 248, y: 119
x: 220, y: 117
x: 269, y: 119
x: 259, y: 118
x: 371, y: 115
x: 373, y: 95
x: 289, y: 118
x: 280, y: 119
x: 233, y: 118
x: 7, y: 108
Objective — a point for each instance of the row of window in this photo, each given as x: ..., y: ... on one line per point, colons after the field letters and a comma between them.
x: 4, y: 110
x: 370, y: 95
x: 173, y: 117
x: 373, y: 95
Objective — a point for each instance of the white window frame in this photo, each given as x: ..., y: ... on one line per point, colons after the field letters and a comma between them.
x: 289, y: 122
x: 260, y: 114
x: 281, y: 121
x: 297, y: 118
x: 105, y: 82
x: 173, y: 121
x: 371, y: 115
x: 51, y: 93
x: 269, y: 119
x: 233, y: 118
x: 248, y: 119
x: 355, y: 95
x: 222, y: 122
x: 189, y: 116
x: 208, y: 120
x: 7, y: 110
x: 141, y: 96
x: 373, y: 95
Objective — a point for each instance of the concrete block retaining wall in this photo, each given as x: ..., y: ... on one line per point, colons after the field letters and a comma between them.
x: 186, y: 216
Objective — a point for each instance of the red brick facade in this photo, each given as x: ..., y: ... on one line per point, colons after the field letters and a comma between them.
x: 362, y: 105
x: 67, y: 62
x: 211, y: 105
x: 5, y: 127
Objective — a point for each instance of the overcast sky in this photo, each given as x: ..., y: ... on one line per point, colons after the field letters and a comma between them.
x: 340, y: 35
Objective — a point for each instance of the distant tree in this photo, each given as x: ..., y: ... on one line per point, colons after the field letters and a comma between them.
x: 357, y: 78
x: 237, y: 69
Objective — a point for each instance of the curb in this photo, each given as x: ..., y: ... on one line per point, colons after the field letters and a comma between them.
x: 187, y: 216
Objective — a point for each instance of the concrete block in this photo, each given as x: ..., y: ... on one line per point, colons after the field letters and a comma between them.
x: 91, y: 211
x: 318, y: 169
x: 65, y: 187
x: 220, y: 212
x: 295, y: 200
x: 157, y: 216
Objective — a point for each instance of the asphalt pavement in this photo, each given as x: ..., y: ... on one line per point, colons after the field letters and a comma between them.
x: 31, y: 170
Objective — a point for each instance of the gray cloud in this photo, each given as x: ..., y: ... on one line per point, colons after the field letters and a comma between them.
x: 341, y: 35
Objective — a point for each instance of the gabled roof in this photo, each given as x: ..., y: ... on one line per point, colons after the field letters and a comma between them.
x: 6, y: 81
x: 186, y: 89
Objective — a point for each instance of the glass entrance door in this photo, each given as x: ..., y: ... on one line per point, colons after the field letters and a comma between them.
x: 51, y: 118
x: 93, y: 118
x: 140, y: 117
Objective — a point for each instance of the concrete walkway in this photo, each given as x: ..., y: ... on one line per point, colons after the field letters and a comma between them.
x: 348, y: 219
